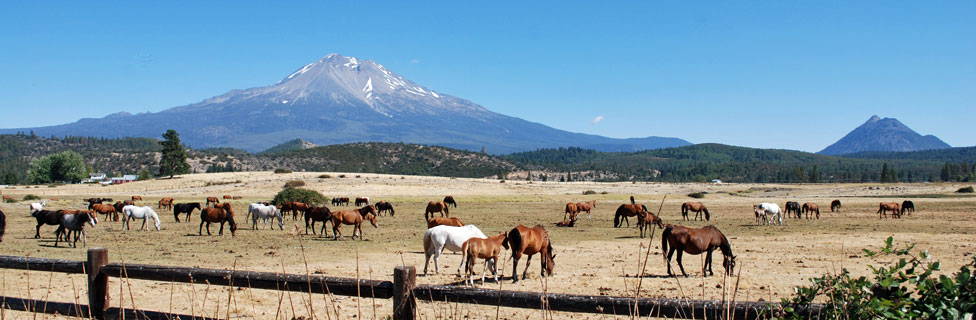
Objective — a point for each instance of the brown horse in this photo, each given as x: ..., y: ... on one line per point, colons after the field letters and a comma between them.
x: 136, y: 198
x: 237, y: 197
x: 297, y: 207
x: 212, y: 200
x: 106, y: 209
x: 567, y: 223
x: 697, y: 207
x: 627, y: 210
x: 165, y: 202
x: 322, y: 214
x: 835, y: 205
x: 570, y: 210
x: 119, y: 205
x: 645, y: 220
x: 436, y: 206
x: 228, y: 197
x: 811, y: 207
x: 362, y: 201
x: 884, y: 207
x: 438, y: 221
x: 487, y: 249
x: 218, y: 213
x: 585, y: 206
x: 529, y: 241
x: 696, y: 241
x: 450, y: 200
x: 340, y: 201
x: 384, y: 206
x: 351, y: 217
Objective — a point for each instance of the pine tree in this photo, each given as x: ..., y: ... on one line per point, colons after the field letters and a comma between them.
x: 946, y: 172
x: 173, y: 161
x: 814, y: 175
x: 884, y: 173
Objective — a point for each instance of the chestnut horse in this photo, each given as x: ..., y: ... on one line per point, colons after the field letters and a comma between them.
x: 696, y: 241
x: 384, y: 206
x: 646, y: 220
x: 218, y: 213
x: 295, y: 208
x: 585, y: 206
x: 228, y: 197
x: 907, y: 206
x: 135, y: 198
x: 450, y: 200
x: 487, y: 249
x: 362, y: 201
x: 165, y: 202
x: 212, y: 200
x: 106, y: 209
x: 185, y: 208
x: 811, y: 207
x: 438, y: 221
x: 884, y: 207
x: 351, y: 217
x: 627, y: 210
x: 697, y: 207
x: 529, y: 241
x: 322, y: 214
x: 570, y: 210
x: 436, y: 206
x: 835, y: 205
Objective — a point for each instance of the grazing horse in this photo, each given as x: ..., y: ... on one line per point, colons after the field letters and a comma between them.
x: 3, y: 225
x: 144, y: 213
x: 884, y: 207
x: 218, y: 213
x: 811, y: 207
x: 342, y: 201
x: 438, y: 238
x: 907, y: 206
x: 438, y: 221
x: 529, y: 241
x: 384, y: 206
x: 228, y: 197
x: 212, y: 200
x: 695, y: 241
x: 793, y: 209
x: 297, y: 207
x: 185, y: 208
x: 697, y: 207
x: 585, y: 206
x: 487, y: 249
x: 646, y: 220
x: 627, y: 210
x: 119, y: 205
x: 136, y: 198
x: 436, y: 206
x: 106, y: 209
x: 43, y: 217
x: 75, y: 222
x: 571, y: 210
x: 768, y: 212
x: 354, y: 218
x: 322, y: 214
x: 165, y: 202
x: 450, y: 200
x: 835, y: 205
x: 362, y: 201
x: 258, y: 211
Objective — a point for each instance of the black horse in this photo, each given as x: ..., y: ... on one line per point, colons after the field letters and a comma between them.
x: 450, y: 200
x: 384, y: 206
x: 3, y: 225
x: 46, y: 217
x: 907, y: 206
x: 794, y: 207
x: 185, y: 208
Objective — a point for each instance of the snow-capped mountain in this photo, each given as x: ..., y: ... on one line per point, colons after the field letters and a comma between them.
x: 340, y: 99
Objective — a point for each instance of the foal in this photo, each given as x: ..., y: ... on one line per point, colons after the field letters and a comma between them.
x: 487, y: 249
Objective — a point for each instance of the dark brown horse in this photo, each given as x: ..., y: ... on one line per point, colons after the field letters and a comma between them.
x: 106, y: 209
x: 384, y: 206
x: 646, y: 220
x: 811, y: 207
x: 212, y: 200
x: 436, y: 206
x: 3, y: 225
x: 351, y: 217
x: 529, y: 241
x: 136, y: 198
x: 450, y: 200
x: 696, y: 241
x: 907, y: 206
x: 362, y: 201
x: 218, y: 213
x: 165, y: 203
x: 884, y: 207
x: 793, y: 210
x: 119, y: 205
x: 438, y: 221
x: 835, y: 205
x: 585, y: 206
x: 697, y: 207
x: 185, y: 208
x: 228, y: 197
x: 343, y: 201
x: 322, y: 214
x: 627, y: 210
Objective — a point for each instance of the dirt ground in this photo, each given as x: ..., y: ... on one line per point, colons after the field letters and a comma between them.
x: 592, y: 258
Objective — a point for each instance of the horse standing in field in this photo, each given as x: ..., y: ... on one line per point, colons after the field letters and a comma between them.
x: 3, y: 224
x: 228, y: 197
x: 585, y: 206
x: 354, y: 218
x: 627, y: 210
x: 362, y: 201
x: 697, y: 207
x: 322, y: 214
x: 450, y: 200
x: 257, y: 211
x: 695, y: 241
x: 571, y: 210
x: 297, y: 207
x: 793, y: 210
x: 218, y: 213
x: 144, y: 213
x: 343, y: 201
x: 136, y: 198
x: 185, y: 208
x: 529, y: 241
x: 884, y: 207
x: 438, y: 221
x: 436, y: 206
x: 907, y: 206
x: 106, y: 209
x: 438, y: 238
x: 212, y: 200
x: 811, y: 207
x: 835, y: 205
x: 646, y: 220
x: 768, y: 212
x: 43, y: 217
x: 75, y: 222
x: 384, y: 206
x: 165, y: 203
x: 487, y: 249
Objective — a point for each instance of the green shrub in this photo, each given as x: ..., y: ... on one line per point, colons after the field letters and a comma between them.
x: 697, y: 195
x: 311, y: 197
x: 31, y: 197
x: 144, y: 174
x: 968, y: 189
x: 588, y: 192
x: 282, y: 170
x: 294, y: 184
x: 9, y: 200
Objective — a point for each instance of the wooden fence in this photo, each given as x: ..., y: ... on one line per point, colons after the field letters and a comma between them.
x: 403, y: 290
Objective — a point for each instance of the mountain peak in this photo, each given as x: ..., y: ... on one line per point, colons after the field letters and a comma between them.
x: 886, y: 134
x: 873, y: 119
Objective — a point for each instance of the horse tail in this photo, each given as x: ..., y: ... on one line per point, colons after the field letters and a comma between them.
x: 616, y: 217
x: 684, y: 208
x: 467, y: 258
x: 515, y: 241
x: 427, y: 243
x: 664, y: 241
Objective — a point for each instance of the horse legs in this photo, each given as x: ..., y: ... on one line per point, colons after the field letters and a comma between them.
x: 359, y: 228
x: 144, y: 226
x: 680, y: 253
x: 670, y: 254
x: 515, y: 260
x: 708, y: 262
x: 37, y: 233
x: 306, y: 226
x: 221, y: 228
x: 200, y: 232
x: 528, y: 262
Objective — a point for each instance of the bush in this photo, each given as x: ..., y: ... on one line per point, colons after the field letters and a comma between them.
x: 9, y: 200
x: 310, y: 197
x: 31, y: 197
x: 325, y: 176
x: 294, y: 184
x: 282, y: 170
x: 697, y: 195
x: 144, y: 174
x: 968, y: 189
x: 588, y: 192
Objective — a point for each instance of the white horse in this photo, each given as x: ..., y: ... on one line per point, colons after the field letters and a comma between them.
x: 768, y: 212
x: 260, y: 211
x: 438, y: 238
x: 144, y: 213
x: 37, y: 206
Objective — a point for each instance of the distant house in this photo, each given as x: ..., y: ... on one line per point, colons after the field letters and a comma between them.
x: 716, y: 181
x: 95, y: 178
x: 124, y: 179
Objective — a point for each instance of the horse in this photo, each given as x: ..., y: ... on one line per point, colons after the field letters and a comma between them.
x: 793, y: 207
x: 450, y: 200
x: 811, y: 207
x: 695, y: 241
x: 6, y: 197
x: 228, y: 197
x: 384, y: 206
x: 136, y: 198
x: 3, y: 225
x: 37, y: 206
x: 185, y: 208
x: 567, y: 223
x: 487, y: 249
x: 43, y: 217
x: 585, y: 206
x: 144, y: 213
x: 263, y: 212
x: 212, y: 200
x: 218, y: 213
x: 645, y: 220
x: 884, y: 207
x: 769, y: 212
x: 297, y: 207
x: 354, y: 218
x: 317, y: 214
x: 237, y: 197
x: 627, y: 210
x: 529, y: 241
x: 436, y: 206
x: 907, y: 206
x: 106, y: 209
x: 570, y: 210
x: 75, y: 222
x: 835, y: 205
x: 439, y: 221
x: 360, y: 201
x: 697, y: 207
x: 343, y: 201
x: 165, y: 202
x: 438, y: 238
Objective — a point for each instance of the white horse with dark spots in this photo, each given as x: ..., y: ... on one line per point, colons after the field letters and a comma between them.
x: 144, y: 213
x: 265, y: 213
x: 768, y: 212
x: 438, y: 238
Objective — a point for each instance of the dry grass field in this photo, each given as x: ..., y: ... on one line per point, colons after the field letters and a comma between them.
x: 592, y: 258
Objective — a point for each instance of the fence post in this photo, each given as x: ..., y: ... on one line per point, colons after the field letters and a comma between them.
x: 404, y: 303
x: 97, y: 282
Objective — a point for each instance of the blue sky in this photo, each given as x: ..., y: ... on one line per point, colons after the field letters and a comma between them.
x: 774, y: 74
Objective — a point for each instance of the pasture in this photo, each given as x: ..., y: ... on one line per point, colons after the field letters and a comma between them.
x: 592, y: 258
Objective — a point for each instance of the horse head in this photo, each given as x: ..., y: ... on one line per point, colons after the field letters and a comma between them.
x: 372, y: 219
x: 549, y: 260
x: 92, y: 218
x: 728, y: 262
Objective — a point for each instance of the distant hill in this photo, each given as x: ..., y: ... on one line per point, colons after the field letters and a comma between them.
x: 883, y: 135
x: 297, y: 144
